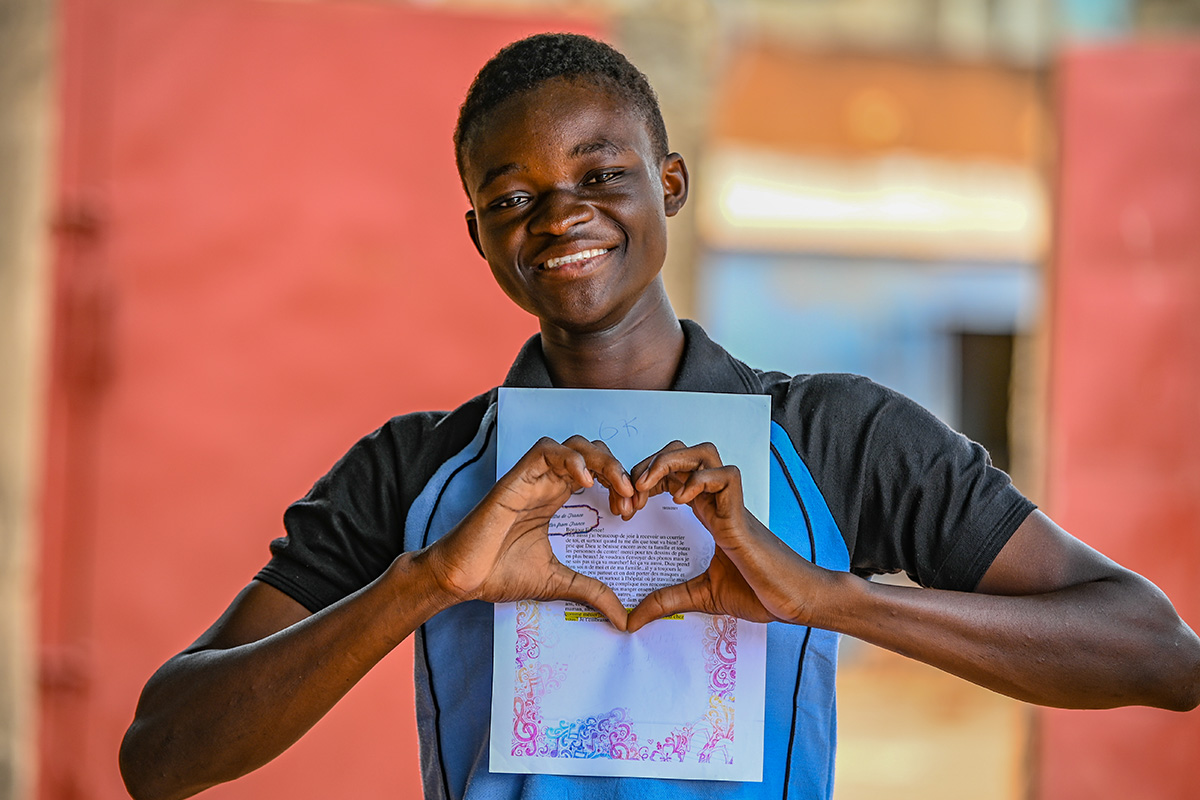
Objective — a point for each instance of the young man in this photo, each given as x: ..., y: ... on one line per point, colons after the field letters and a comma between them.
x: 563, y: 154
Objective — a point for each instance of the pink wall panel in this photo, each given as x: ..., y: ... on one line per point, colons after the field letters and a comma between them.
x: 1124, y: 469
x: 280, y: 250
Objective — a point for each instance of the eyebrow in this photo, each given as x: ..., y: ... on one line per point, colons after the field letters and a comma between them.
x: 498, y: 172
x: 597, y: 146
x: 578, y: 151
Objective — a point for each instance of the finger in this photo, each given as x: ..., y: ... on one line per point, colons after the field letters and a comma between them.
x: 647, y: 489
x: 641, y: 467
x: 603, y: 464
x: 670, y: 485
x: 564, y: 462
x: 686, y: 596
x: 609, y: 471
x: 584, y: 589
x: 724, y: 482
x: 621, y: 506
x: 681, y: 459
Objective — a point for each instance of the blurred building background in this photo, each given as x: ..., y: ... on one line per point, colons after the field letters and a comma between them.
x: 231, y: 243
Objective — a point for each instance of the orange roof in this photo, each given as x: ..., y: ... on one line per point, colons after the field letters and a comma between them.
x: 853, y: 104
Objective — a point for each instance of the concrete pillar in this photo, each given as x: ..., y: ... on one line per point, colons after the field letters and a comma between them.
x: 26, y: 45
x: 679, y: 46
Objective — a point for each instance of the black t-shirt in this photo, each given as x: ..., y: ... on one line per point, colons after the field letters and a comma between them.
x: 907, y: 492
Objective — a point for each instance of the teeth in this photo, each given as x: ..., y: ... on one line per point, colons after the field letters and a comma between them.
x: 553, y: 263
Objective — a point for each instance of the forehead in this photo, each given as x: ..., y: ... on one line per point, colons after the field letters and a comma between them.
x: 557, y: 119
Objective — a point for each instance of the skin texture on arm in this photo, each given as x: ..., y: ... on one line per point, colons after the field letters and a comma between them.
x: 1052, y: 622
x: 259, y: 678
x: 267, y: 671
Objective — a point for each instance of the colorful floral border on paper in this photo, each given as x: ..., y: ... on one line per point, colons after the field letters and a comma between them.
x: 613, y: 734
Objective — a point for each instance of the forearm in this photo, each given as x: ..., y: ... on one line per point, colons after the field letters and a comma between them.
x: 1099, y: 644
x: 212, y: 715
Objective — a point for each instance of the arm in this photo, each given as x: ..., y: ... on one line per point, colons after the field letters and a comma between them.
x: 266, y: 671
x: 260, y: 677
x: 1052, y: 622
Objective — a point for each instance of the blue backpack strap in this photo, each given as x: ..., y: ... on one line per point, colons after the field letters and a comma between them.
x: 802, y: 506
x: 452, y: 658
x: 802, y: 661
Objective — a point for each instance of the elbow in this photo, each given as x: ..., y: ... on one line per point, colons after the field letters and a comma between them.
x: 130, y: 760
x: 1180, y: 683
x: 1184, y: 696
x: 142, y: 768
x: 1171, y: 663
x: 1155, y: 660
x: 133, y: 760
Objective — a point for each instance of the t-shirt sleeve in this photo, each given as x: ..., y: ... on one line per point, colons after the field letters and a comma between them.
x: 345, y: 532
x: 910, y: 493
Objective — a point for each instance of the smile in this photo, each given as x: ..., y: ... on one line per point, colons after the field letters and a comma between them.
x: 583, y: 255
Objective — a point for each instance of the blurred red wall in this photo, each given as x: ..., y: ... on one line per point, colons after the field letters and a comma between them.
x: 261, y: 257
x: 1124, y: 449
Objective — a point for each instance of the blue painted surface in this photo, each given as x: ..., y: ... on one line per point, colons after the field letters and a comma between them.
x: 1096, y: 19
x: 893, y: 321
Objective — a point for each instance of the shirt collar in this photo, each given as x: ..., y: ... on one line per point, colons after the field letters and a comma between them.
x: 705, y: 366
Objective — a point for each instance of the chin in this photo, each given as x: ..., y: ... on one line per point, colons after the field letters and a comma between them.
x: 582, y: 320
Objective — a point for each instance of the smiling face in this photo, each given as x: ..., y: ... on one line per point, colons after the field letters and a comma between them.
x: 569, y: 204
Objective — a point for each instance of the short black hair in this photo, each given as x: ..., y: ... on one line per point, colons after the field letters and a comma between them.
x: 525, y: 64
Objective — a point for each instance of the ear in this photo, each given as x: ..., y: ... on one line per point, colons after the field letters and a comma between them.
x: 675, y: 183
x: 473, y: 230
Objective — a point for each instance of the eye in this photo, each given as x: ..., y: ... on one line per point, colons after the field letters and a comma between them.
x: 509, y: 201
x: 605, y: 176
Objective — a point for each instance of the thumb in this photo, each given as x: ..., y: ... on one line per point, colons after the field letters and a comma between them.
x: 584, y: 589
x: 670, y: 600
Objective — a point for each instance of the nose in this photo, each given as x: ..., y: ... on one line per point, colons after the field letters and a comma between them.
x: 558, y: 212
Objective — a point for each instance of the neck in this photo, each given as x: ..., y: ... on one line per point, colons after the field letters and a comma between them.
x: 640, y: 352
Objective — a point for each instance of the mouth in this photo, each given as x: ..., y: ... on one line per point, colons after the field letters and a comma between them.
x: 574, y: 258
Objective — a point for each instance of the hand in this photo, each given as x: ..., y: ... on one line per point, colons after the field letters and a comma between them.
x: 752, y: 575
x: 501, y: 551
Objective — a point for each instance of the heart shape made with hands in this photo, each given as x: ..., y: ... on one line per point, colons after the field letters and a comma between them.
x: 660, y: 567
x: 751, y: 584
